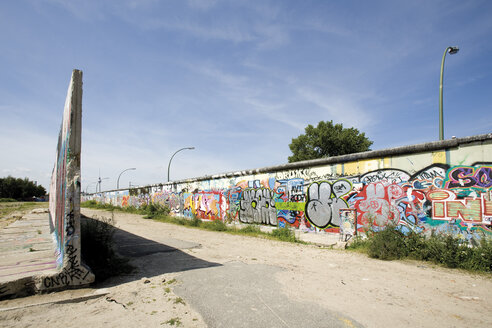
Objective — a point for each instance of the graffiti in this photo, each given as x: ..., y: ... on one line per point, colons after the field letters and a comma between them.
x: 64, y: 199
x: 324, y: 202
x: 432, y: 176
x: 432, y: 198
x: 290, y: 200
x: 446, y: 206
x: 386, y: 176
x: 348, y: 222
x: 306, y: 174
x: 166, y: 198
x: 70, y: 273
x: 258, y: 206
x: 469, y: 177
x: 378, y: 206
x: 233, y: 197
x: 204, y: 205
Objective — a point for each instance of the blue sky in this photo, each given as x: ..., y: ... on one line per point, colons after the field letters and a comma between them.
x: 235, y: 79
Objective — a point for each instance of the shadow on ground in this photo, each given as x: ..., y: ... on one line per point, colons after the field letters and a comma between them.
x: 148, y: 257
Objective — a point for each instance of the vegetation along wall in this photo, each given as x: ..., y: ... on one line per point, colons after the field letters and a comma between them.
x: 443, y: 186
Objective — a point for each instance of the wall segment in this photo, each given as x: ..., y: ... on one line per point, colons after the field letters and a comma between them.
x: 64, y: 207
x: 443, y: 186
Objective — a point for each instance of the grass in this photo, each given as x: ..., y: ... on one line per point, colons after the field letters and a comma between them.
x: 9, y: 207
x: 7, y: 200
x: 97, y: 248
x: 173, y: 322
x: 12, y: 210
x: 445, y: 250
x: 161, y: 214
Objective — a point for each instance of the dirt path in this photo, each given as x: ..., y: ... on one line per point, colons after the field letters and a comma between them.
x: 319, y: 283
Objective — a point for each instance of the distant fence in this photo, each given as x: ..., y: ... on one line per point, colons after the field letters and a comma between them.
x: 443, y: 186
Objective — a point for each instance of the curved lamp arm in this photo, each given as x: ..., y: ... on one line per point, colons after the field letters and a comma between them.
x: 118, y: 181
x: 452, y: 51
x: 177, y: 151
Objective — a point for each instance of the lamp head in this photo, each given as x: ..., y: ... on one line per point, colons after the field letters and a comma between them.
x: 191, y: 147
x: 453, y: 50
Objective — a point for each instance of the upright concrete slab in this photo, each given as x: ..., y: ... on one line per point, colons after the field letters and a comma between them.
x: 64, y: 207
x: 65, y: 196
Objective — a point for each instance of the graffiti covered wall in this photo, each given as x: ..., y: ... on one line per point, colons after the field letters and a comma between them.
x: 434, y: 187
x: 64, y: 203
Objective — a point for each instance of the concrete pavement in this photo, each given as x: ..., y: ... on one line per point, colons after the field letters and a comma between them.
x: 241, y: 295
x: 26, y: 250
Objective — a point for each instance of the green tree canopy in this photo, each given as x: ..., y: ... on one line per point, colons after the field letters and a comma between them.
x: 327, y: 140
x: 20, y: 189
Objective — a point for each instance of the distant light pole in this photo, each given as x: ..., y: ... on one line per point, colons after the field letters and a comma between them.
x: 169, y: 166
x: 452, y: 51
x: 118, y: 181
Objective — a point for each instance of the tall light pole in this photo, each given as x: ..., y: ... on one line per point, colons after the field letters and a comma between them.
x: 452, y: 51
x: 118, y: 181
x: 169, y: 166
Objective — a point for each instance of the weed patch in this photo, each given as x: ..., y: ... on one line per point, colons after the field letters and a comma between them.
x: 173, y: 322
x: 445, y: 250
x: 284, y: 234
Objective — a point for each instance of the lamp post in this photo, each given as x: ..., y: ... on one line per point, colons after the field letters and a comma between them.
x: 169, y: 166
x: 118, y: 181
x: 452, y: 51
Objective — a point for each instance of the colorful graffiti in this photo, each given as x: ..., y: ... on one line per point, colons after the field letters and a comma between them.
x: 257, y: 205
x: 436, y: 198
x: 64, y: 207
x: 324, y: 201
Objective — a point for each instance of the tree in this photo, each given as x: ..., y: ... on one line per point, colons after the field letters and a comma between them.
x: 327, y: 140
x: 20, y: 189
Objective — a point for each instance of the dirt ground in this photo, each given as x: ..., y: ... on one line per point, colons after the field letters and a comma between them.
x: 373, y: 293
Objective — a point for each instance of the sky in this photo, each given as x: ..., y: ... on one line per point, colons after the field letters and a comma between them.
x: 237, y: 80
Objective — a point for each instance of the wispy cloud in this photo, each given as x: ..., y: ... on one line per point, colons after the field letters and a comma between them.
x: 340, y: 107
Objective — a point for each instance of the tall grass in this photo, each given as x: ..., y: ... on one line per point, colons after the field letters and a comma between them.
x: 446, y: 250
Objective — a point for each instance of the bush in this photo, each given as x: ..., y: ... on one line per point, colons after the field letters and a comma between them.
x: 479, y: 258
x: 250, y: 230
x: 195, y: 222
x: 154, y: 210
x: 215, y: 225
x: 387, y: 244
x: 358, y: 244
x: 447, y: 250
x: 284, y: 234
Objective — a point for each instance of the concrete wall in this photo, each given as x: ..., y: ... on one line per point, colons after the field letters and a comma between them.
x: 441, y: 186
x: 64, y: 207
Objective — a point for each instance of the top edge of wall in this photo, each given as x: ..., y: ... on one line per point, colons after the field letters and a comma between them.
x: 402, y: 150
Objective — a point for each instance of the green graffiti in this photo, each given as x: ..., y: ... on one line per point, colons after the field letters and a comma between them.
x: 290, y: 206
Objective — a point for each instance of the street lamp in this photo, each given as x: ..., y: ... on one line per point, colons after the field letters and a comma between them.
x: 118, y: 181
x: 169, y: 166
x: 452, y: 51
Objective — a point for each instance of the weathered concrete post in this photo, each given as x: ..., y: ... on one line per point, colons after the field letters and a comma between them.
x: 64, y: 207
